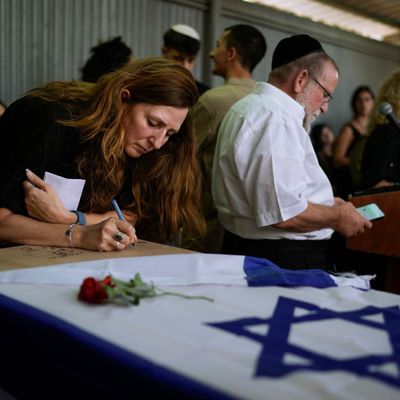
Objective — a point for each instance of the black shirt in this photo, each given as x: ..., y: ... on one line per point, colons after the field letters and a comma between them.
x: 381, y: 157
x: 31, y: 138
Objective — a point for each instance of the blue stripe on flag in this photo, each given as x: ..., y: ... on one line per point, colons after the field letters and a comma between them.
x: 261, y: 272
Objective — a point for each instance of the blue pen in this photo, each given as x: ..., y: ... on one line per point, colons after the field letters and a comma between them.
x: 116, y: 208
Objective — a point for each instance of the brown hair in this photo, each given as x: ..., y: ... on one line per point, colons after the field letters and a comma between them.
x: 389, y: 92
x: 164, y: 184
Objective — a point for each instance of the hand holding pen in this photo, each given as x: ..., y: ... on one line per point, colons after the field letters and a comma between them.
x: 119, y: 236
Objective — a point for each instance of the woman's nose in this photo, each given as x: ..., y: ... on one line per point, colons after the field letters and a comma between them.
x: 158, y: 140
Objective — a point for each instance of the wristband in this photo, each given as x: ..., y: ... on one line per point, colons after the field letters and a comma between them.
x: 81, y: 219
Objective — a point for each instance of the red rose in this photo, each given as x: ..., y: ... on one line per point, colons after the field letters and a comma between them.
x: 93, y: 291
x: 107, y: 281
x: 120, y: 292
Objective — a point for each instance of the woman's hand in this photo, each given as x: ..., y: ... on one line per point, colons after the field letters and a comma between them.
x: 130, y: 216
x: 43, y: 203
x: 109, y: 235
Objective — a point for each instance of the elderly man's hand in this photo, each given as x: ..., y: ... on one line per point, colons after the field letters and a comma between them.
x: 351, y: 222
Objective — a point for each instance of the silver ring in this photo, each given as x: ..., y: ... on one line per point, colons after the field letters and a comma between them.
x: 118, y: 236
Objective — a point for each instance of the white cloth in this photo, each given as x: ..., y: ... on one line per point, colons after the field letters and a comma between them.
x: 265, y: 168
x: 173, y: 269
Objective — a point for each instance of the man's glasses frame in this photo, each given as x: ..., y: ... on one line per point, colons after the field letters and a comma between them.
x: 327, y: 96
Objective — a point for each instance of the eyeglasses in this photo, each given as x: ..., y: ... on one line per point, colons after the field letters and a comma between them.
x: 327, y: 96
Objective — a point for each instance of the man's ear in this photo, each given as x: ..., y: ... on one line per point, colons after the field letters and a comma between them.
x: 163, y: 50
x: 232, y: 54
x: 301, y: 80
x: 125, y: 95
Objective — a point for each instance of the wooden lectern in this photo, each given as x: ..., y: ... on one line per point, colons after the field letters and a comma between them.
x: 384, y: 236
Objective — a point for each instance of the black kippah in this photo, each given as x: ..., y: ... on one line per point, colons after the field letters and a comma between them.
x: 294, y: 47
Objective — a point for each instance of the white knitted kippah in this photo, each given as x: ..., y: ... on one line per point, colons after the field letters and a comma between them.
x: 186, y: 30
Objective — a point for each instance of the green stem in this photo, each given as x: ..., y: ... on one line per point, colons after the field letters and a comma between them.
x: 162, y: 293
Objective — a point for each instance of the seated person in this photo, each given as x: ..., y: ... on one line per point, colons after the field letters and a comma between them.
x: 106, y: 57
x: 129, y: 136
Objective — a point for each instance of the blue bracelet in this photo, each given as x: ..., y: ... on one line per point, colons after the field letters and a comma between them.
x: 81, y: 217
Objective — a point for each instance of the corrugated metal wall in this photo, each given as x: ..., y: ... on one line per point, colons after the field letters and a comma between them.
x: 45, y: 40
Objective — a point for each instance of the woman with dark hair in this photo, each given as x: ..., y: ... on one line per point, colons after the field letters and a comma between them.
x: 381, y: 158
x: 106, y: 57
x: 128, y: 136
x: 349, y: 143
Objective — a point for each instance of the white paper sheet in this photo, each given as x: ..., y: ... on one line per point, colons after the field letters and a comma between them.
x: 69, y: 190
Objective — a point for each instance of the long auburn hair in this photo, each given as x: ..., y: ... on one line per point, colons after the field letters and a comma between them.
x: 165, y: 184
x: 388, y: 92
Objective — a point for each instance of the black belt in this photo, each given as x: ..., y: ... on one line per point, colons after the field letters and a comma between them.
x: 276, y: 244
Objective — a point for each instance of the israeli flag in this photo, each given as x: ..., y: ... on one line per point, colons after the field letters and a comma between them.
x: 269, y: 333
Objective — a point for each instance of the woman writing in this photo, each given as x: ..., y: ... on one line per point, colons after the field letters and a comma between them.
x: 128, y: 136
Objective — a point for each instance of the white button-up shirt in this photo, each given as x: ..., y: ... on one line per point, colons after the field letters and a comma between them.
x: 265, y: 168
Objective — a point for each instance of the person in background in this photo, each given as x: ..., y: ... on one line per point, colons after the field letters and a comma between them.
x: 2, y: 108
x: 350, y: 142
x: 237, y: 52
x: 322, y: 139
x: 381, y: 158
x: 106, y: 57
x: 181, y: 43
x: 272, y: 197
x: 129, y: 136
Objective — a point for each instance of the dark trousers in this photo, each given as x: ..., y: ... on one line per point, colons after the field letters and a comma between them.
x: 291, y: 254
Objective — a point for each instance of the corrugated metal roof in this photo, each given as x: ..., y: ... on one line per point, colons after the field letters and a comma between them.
x: 376, y: 19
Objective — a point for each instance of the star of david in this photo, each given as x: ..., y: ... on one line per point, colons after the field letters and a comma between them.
x: 275, y: 344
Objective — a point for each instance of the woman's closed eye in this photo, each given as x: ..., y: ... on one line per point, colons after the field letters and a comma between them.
x: 159, y: 125
x: 154, y: 124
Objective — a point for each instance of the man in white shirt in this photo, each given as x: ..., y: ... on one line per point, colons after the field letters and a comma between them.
x: 272, y: 197
x: 238, y: 51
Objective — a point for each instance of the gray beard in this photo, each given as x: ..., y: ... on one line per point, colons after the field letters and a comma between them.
x: 307, y: 121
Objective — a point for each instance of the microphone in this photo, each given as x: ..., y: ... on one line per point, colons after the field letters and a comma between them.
x: 386, y: 110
